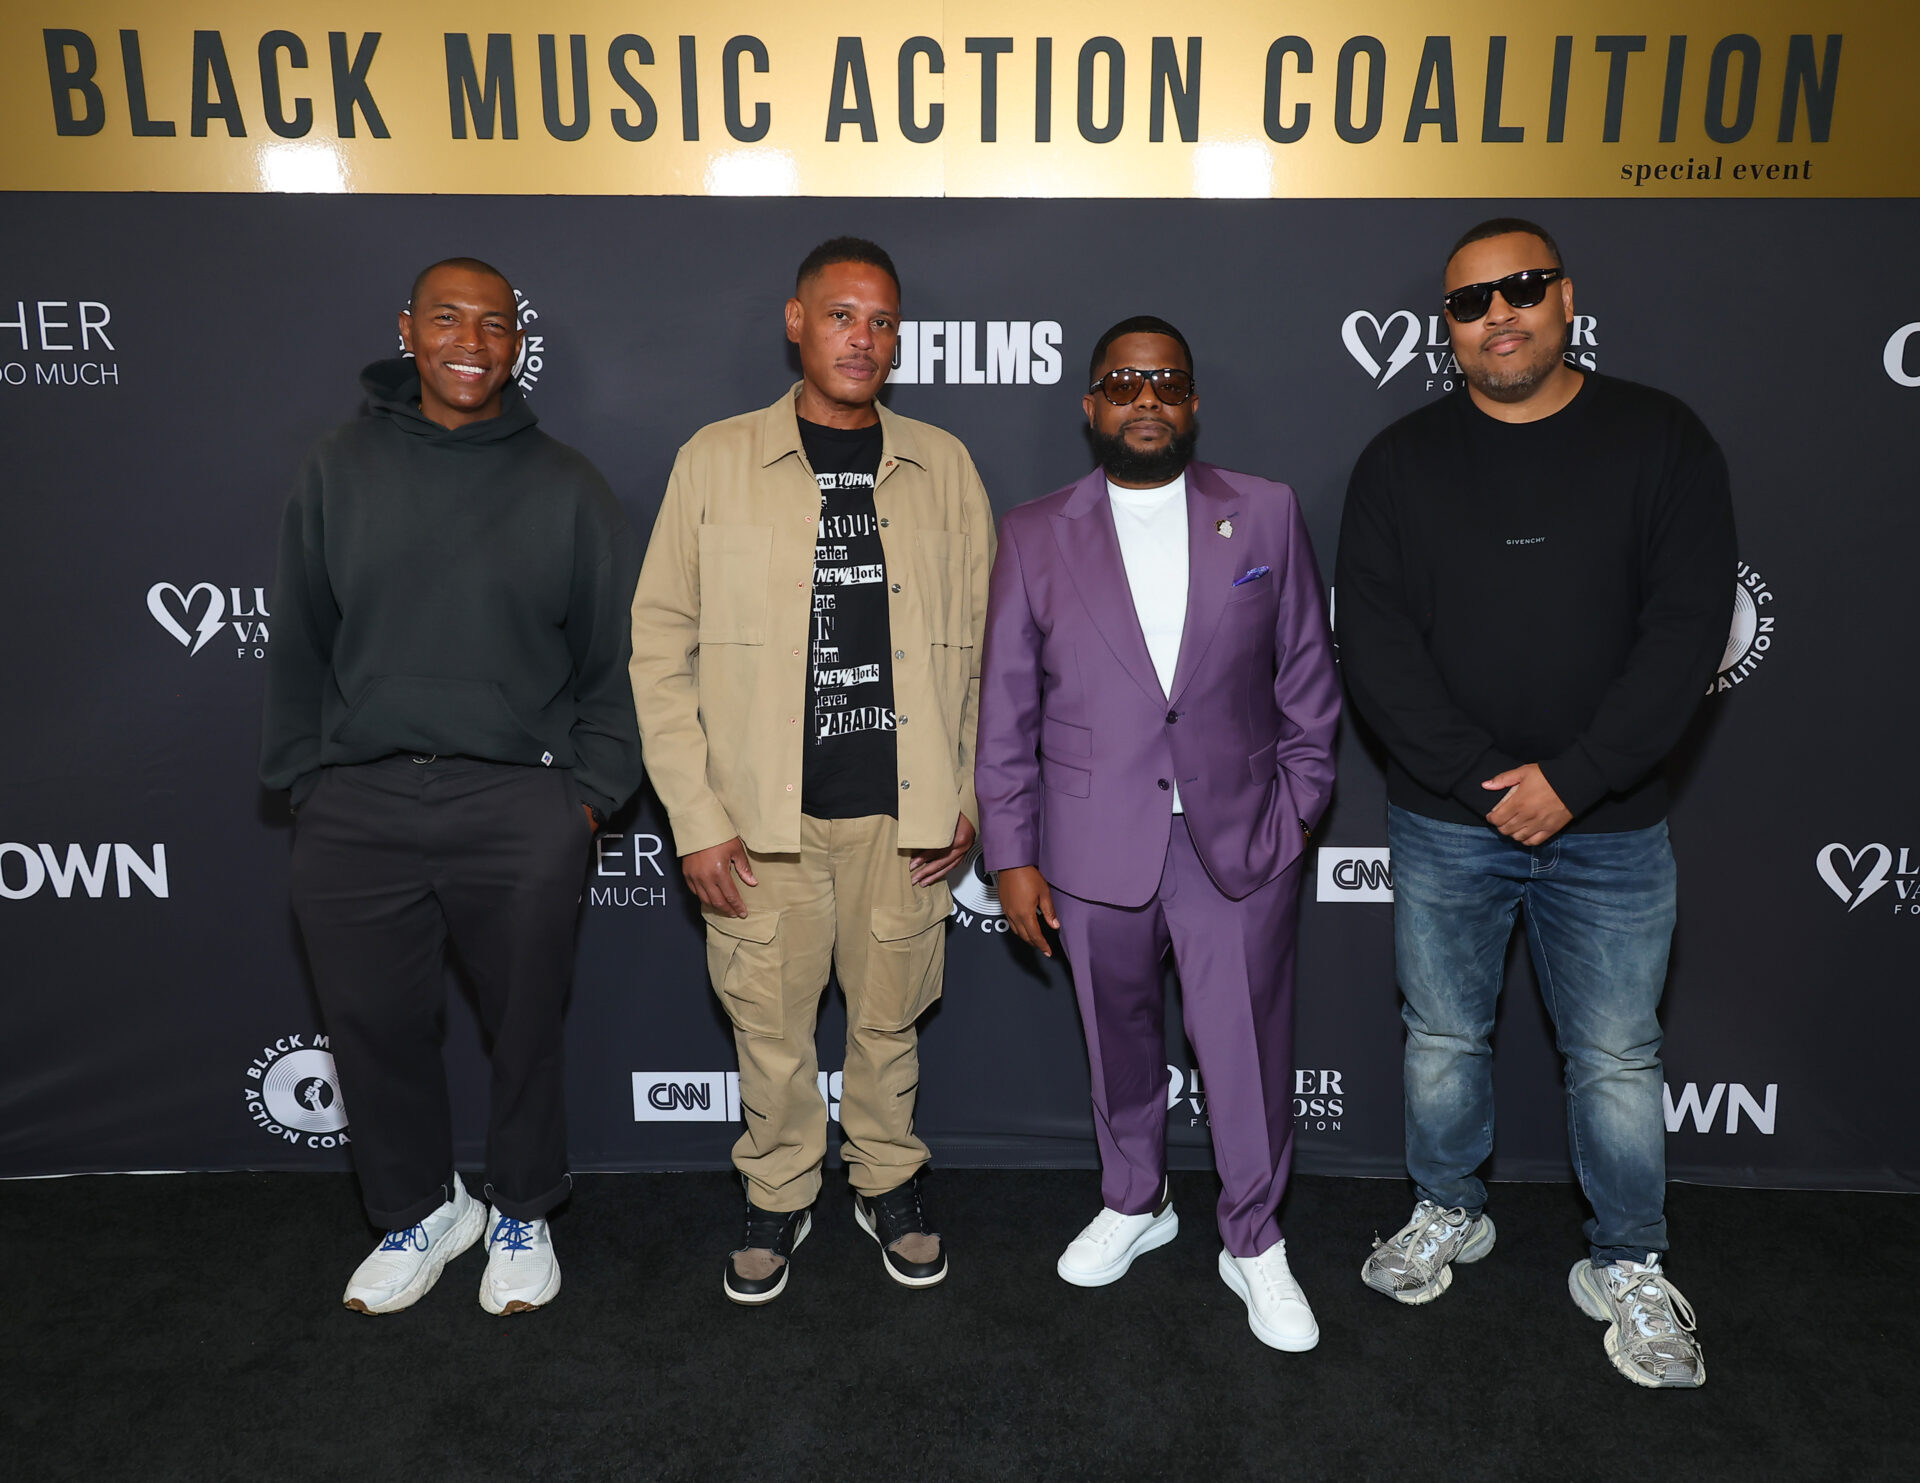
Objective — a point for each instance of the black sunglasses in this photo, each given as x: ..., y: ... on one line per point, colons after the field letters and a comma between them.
x: 1122, y: 385
x: 1522, y: 290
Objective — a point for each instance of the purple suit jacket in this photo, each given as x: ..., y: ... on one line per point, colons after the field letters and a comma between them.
x: 1078, y: 744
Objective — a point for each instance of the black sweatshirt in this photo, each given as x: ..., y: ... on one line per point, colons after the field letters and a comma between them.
x: 1557, y: 592
x: 461, y: 591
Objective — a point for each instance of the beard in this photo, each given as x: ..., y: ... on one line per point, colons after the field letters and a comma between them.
x: 1151, y: 466
x: 1515, y: 383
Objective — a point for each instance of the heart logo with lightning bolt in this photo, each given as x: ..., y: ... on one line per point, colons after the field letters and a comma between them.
x: 1398, y: 358
x: 209, y: 623
x: 1877, y: 860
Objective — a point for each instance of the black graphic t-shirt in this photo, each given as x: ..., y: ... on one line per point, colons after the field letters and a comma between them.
x: 849, y: 770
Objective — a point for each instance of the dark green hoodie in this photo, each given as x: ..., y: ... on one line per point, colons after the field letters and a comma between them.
x: 458, y: 591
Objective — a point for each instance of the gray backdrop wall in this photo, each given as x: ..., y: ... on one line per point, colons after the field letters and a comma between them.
x: 165, y: 360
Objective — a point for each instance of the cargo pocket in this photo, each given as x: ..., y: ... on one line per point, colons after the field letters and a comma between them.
x: 906, y: 960
x: 743, y: 962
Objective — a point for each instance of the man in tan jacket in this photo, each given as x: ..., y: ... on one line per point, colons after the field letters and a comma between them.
x: 806, y: 642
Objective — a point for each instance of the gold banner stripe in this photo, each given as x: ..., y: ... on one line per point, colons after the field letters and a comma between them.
x: 591, y: 97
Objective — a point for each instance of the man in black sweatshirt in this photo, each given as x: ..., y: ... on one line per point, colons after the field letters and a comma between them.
x: 448, y: 704
x: 1535, y: 582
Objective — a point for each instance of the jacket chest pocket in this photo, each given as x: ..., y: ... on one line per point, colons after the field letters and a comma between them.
x: 945, y: 592
x: 735, y: 565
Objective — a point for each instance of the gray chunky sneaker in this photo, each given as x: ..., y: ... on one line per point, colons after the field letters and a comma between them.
x: 1649, y: 1324
x: 1415, y: 1264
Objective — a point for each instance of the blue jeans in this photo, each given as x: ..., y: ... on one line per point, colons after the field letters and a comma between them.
x: 1599, y: 914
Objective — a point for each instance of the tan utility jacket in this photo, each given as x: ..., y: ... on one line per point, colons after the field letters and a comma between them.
x: 723, y: 610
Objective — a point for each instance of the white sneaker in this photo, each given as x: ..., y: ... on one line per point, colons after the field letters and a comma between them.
x: 1105, y: 1249
x: 1277, y: 1310
x: 407, y: 1263
x: 522, y: 1273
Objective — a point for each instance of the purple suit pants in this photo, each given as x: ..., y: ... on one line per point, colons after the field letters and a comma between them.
x: 1235, y: 961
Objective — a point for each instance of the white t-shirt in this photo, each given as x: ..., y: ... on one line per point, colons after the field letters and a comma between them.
x: 1152, y: 526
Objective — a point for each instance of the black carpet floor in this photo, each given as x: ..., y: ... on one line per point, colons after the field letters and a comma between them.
x: 189, y: 1327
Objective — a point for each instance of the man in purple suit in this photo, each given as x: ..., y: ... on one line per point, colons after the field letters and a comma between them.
x: 1157, y: 709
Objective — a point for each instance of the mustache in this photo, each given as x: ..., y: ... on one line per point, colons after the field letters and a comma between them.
x: 1488, y: 339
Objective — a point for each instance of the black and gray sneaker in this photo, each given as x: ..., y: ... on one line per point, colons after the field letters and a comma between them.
x: 757, y: 1272
x: 1649, y: 1324
x: 1415, y: 1264
x: 913, y: 1255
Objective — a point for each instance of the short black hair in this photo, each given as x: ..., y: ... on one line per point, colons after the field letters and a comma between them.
x: 1501, y: 226
x: 1138, y: 324
x: 845, y: 250
x: 470, y: 264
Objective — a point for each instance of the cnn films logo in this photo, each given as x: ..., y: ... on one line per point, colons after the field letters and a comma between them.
x: 706, y: 1096
x: 1383, y: 348
x: 1750, y: 638
x: 633, y: 859
x: 64, y: 337
x: 293, y: 1093
x: 1702, y: 1109
x: 971, y: 352
x: 1895, y: 357
x: 26, y: 870
x: 1354, y: 873
x: 1319, y: 1098
x: 532, y: 359
x: 1857, y: 876
x: 195, y: 616
x: 976, y: 899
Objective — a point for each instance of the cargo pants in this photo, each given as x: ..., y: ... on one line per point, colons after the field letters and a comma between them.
x: 846, y: 902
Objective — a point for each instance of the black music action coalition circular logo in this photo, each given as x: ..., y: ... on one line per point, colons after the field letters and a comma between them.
x: 293, y: 1093
x: 976, y: 899
x: 1750, y: 638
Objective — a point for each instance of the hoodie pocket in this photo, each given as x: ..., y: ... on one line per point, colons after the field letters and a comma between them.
x: 735, y: 563
x: 435, y: 713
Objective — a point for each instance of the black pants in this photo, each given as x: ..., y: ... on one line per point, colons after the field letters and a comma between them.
x: 391, y: 861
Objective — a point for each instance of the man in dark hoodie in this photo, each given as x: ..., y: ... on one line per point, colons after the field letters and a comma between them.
x: 448, y: 704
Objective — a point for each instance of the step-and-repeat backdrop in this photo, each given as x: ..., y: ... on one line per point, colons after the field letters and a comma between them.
x: 212, y: 217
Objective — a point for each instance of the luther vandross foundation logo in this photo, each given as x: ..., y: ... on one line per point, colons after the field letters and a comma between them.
x: 1858, y: 876
x: 196, y: 616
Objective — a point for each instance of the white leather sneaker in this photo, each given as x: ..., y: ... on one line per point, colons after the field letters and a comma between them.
x: 1277, y: 1310
x: 1105, y: 1249
x: 407, y: 1263
x: 522, y: 1273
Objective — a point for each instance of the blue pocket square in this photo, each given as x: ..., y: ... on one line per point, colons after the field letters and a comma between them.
x: 1253, y: 576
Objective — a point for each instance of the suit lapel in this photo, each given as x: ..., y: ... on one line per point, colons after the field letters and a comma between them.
x: 1090, y: 550
x: 1212, y: 564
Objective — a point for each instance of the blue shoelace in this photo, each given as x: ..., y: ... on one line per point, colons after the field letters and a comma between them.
x: 413, y: 1238
x: 513, y: 1234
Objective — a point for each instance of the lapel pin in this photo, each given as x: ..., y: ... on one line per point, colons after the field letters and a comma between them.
x: 1224, y: 527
